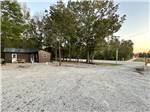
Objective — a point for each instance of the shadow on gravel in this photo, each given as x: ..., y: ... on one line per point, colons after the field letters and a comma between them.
x: 141, y: 70
x: 23, y: 66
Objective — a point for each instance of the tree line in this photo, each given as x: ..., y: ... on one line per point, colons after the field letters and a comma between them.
x: 77, y: 29
x: 144, y: 55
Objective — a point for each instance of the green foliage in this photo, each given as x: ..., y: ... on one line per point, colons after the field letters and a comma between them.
x: 125, y: 50
x: 36, y: 32
x: 78, y: 29
x: 144, y: 55
x: 12, y: 23
x: 139, y: 60
x: 81, y: 26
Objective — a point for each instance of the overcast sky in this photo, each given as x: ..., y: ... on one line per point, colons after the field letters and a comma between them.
x: 136, y: 27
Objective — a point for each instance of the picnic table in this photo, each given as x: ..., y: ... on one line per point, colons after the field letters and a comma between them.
x: 147, y: 60
x: 21, y: 61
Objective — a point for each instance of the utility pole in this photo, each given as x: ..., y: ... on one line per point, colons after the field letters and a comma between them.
x: 116, y: 55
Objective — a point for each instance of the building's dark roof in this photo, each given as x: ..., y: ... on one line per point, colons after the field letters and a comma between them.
x: 19, y: 50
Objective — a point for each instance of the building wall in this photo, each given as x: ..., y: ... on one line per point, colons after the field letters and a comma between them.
x: 8, y: 57
x: 44, y: 56
x: 25, y: 56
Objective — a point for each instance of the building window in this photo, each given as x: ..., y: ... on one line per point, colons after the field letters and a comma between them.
x: 14, y: 56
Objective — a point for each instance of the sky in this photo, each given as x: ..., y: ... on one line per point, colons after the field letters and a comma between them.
x: 136, y: 26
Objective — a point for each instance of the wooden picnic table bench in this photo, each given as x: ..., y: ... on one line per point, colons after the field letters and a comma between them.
x: 147, y: 60
x: 21, y: 61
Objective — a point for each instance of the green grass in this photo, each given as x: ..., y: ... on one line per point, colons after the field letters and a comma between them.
x: 97, y: 63
x: 139, y: 60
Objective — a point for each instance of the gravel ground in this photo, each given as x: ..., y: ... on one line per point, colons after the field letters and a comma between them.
x: 75, y: 88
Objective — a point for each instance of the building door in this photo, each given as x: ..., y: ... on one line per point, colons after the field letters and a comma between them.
x: 14, y: 58
x: 32, y: 58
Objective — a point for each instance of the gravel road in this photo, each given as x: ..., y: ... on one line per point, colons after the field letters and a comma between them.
x: 75, y: 88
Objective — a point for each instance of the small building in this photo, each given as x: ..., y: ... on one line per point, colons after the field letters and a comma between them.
x: 44, y: 56
x: 12, y: 55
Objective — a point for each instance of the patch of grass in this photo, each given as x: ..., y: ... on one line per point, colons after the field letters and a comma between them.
x: 108, y: 64
x: 139, y: 60
x: 97, y: 63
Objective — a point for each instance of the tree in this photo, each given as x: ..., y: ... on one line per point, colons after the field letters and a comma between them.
x: 59, y: 27
x: 80, y: 28
x: 96, y: 21
x: 112, y: 45
x: 126, y: 50
x: 25, y: 36
x: 12, y: 24
x: 55, y: 24
x: 36, y: 32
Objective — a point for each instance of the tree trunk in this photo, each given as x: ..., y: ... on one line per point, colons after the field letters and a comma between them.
x: 69, y: 53
x: 63, y: 55
x: 55, y: 54
x: 116, y: 56
x: 92, y: 57
x: 88, y: 57
x: 59, y: 54
x: 77, y: 59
